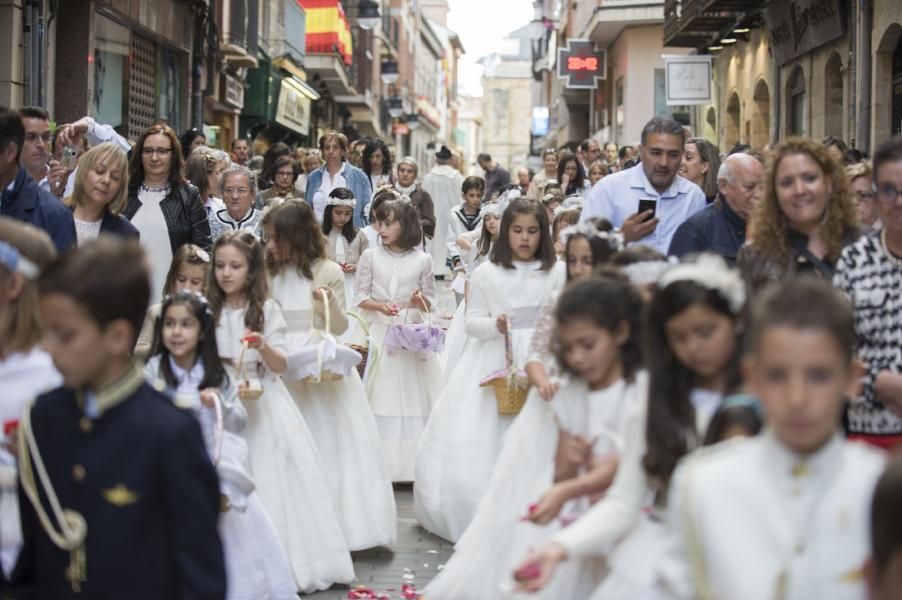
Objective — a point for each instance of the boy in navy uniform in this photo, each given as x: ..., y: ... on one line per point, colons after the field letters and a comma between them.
x: 118, y: 496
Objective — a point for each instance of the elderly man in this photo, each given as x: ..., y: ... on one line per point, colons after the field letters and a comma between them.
x: 667, y: 200
x: 420, y: 198
x: 720, y: 227
x: 443, y: 183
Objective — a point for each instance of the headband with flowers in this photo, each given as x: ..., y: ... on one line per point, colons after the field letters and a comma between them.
x: 614, y: 239
x: 709, y: 271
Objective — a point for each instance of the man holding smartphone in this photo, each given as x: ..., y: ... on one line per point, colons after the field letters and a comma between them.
x: 650, y: 201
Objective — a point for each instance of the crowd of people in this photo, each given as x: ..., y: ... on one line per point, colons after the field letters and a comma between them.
x: 671, y: 372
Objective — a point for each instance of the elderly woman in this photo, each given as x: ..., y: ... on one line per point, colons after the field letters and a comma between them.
x: 285, y: 172
x: 239, y: 188
x: 549, y: 162
x: 162, y: 205
x: 805, y: 218
x: 701, y: 162
x: 101, y: 189
x: 861, y: 180
x: 337, y: 172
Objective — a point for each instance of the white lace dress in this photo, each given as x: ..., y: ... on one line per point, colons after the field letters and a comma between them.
x: 342, y: 251
x: 496, y: 540
x: 456, y: 340
x: 465, y: 434
x: 285, y: 462
x: 403, y: 388
x: 342, y: 424
x: 256, y: 565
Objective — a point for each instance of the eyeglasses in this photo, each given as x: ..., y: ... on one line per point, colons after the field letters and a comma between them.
x: 159, y: 151
x: 230, y: 191
x: 33, y: 137
x: 888, y: 193
x: 865, y: 196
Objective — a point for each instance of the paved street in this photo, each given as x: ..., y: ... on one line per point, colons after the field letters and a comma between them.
x: 416, y: 557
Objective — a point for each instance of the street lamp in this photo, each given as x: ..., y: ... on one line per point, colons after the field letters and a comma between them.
x: 413, y: 121
x: 389, y: 70
x: 367, y: 14
x: 395, y: 107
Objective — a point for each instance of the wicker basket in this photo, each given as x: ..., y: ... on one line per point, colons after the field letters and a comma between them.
x: 510, y: 394
x: 510, y: 384
x: 325, y: 376
x: 364, y: 349
x: 248, y: 388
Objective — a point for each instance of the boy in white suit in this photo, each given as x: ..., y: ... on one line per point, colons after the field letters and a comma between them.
x: 784, y: 515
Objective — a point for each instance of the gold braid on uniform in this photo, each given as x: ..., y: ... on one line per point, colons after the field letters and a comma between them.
x: 73, y: 529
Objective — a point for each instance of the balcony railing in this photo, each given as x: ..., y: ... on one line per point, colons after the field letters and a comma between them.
x: 293, y: 44
x: 693, y: 23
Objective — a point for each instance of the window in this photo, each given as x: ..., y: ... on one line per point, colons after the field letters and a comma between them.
x: 111, y: 50
x: 795, y: 97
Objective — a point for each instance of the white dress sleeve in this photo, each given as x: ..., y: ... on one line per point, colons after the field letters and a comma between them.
x: 539, y: 345
x: 675, y: 575
x: 274, y: 326
x: 427, y: 278
x: 364, y: 289
x: 479, y: 322
x: 615, y: 515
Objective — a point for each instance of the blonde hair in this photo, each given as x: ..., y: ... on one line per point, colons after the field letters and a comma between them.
x: 860, y: 169
x: 21, y: 329
x: 115, y: 159
x: 769, y: 227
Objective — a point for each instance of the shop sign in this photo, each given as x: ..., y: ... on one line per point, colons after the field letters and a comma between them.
x: 581, y: 64
x: 687, y: 79
x: 800, y: 26
x: 234, y: 91
x: 293, y: 109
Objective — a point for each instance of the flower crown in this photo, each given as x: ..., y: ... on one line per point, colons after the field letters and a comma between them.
x: 12, y: 259
x: 646, y: 271
x: 196, y: 295
x: 341, y: 202
x: 711, y: 272
x: 614, y: 239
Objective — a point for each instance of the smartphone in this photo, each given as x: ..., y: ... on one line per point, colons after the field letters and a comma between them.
x: 648, y: 204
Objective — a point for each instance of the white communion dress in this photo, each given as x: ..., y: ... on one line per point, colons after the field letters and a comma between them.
x: 285, y: 463
x: 496, y: 540
x: 404, y: 386
x: 456, y: 341
x: 256, y: 565
x: 342, y: 251
x: 465, y: 434
x: 341, y: 421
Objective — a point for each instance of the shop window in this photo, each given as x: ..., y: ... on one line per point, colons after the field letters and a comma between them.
x: 795, y: 98
x: 111, y: 48
x: 169, y: 97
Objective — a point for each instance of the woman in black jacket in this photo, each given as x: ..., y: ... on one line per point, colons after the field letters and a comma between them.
x: 162, y: 205
x: 99, y: 194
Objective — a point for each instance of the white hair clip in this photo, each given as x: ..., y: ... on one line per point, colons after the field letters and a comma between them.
x: 493, y: 207
x: 709, y: 271
x: 613, y: 238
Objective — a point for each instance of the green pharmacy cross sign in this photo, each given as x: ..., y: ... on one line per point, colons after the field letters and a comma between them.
x: 581, y: 64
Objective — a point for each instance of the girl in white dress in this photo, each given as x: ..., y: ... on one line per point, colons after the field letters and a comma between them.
x: 475, y: 250
x: 395, y: 285
x: 251, y: 335
x: 345, y: 244
x: 26, y: 371
x: 557, y: 455
x: 185, y: 359
x: 190, y: 270
x: 337, y: 412
x: 693, y: 350
x: 465, y: 434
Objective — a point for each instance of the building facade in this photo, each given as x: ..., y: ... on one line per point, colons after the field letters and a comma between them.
x: 833, y: 68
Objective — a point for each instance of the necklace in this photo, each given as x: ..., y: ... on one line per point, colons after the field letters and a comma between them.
x: 155, y: 190
x: 896, y: 260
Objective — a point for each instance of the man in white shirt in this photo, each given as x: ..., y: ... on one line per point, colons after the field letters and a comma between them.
x: 443, y: 184
x: 655, y: 180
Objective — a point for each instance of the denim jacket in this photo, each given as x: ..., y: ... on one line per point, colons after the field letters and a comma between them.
x: 358, y: 183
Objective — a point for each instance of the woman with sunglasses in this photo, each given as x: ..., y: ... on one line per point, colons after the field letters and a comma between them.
x: 165, y: 209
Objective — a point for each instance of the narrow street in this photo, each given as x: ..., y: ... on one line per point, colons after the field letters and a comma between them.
x: 415, y: 558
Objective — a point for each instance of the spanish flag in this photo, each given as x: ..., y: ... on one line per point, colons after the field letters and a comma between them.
x: 327, y: 28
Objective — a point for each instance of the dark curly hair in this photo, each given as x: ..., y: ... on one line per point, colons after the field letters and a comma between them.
x: 369, y: 150
x: 607, y: 300
x: 574, y: 186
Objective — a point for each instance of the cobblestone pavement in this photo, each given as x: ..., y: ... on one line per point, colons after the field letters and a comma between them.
x: 416, y: 557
